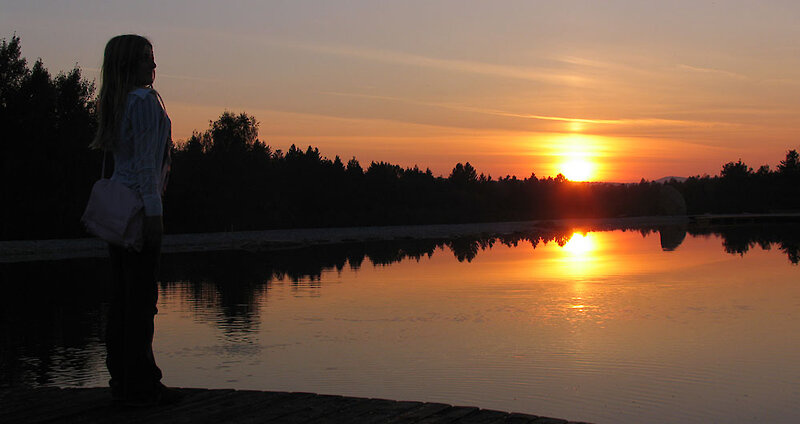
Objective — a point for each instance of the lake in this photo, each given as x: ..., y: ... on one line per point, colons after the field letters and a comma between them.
x: 625, y: 326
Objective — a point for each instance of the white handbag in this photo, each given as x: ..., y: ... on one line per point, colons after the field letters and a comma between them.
x: 115, y: 213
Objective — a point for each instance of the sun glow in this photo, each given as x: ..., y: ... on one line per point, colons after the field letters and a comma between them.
x: 578, y: 157
x: 578, y: 169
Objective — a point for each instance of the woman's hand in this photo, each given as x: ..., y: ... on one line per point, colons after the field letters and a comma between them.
x: 153, y: 230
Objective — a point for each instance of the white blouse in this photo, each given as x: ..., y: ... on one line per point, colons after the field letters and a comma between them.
x: 141, y: 151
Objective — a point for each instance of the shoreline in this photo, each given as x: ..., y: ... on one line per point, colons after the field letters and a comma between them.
x: 271, y: 240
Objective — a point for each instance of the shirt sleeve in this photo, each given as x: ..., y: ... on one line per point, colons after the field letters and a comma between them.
x: 144, y: 115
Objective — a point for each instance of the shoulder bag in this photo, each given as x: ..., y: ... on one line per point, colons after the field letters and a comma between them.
x: 115, y: 213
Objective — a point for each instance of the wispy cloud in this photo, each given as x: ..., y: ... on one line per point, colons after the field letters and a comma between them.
x: 601, y: 64
x: 173, y: 76
x: 497, y: 112
x: 463, y: 108
x: 454, y: 65
x: 783, y: 81
x: 712, y: 71
x: 191, y: 78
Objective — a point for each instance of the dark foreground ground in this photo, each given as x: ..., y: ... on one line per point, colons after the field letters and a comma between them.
x: 93, y: 405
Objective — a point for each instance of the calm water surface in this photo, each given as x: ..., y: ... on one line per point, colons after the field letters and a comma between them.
x: 602, y: 326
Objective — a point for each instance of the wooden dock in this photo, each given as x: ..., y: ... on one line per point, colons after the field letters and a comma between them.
x: 93, y: 405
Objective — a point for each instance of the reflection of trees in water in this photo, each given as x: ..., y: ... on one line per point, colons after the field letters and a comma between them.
x: 53, y: 313
x: 231, y: 308
x: 671, y: 236
x: 466, y: 249
x: 222, y: 289
x: 739, y: 239
x: 52, y: 321
x: 226, y: 288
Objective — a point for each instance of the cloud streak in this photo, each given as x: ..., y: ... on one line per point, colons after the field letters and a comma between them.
x: 711, y: 71
x: 173, y: 76
x: 464, y: 66
x: 496, y: 112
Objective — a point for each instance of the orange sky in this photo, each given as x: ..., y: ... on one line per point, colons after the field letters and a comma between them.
x: 635, y: 88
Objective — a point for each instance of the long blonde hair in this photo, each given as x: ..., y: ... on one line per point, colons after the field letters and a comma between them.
x: 118, y: 77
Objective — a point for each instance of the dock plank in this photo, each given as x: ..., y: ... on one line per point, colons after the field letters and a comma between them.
x: 517, y: 418
x: 449, y: 415
x: 322, y: 406
x: 418, y: 414
x: 369, y: 411
x: 93, y: 405
x: 60, y: 405
x: 274, y: 410
x: 483, y: 416
x: 387, y: 412
x: 193, y: 407
x: 245, y: 404
x: 548, y: 420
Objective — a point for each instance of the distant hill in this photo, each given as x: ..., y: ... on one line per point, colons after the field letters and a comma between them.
x: 663, y: 180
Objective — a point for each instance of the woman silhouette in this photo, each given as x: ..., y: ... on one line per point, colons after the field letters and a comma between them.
x: 133, y: 125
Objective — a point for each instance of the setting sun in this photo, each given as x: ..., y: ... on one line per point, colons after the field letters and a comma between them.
x: 578, y: 170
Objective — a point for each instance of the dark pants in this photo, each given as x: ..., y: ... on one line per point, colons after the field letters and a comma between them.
x: 129, y: 334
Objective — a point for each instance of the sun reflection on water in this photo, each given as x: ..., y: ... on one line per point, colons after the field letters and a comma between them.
x: 580, y: 256
x: 579, y: 245
x: 580, y: 259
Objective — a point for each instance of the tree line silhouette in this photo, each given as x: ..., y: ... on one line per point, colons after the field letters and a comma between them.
x: 226, y: 179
